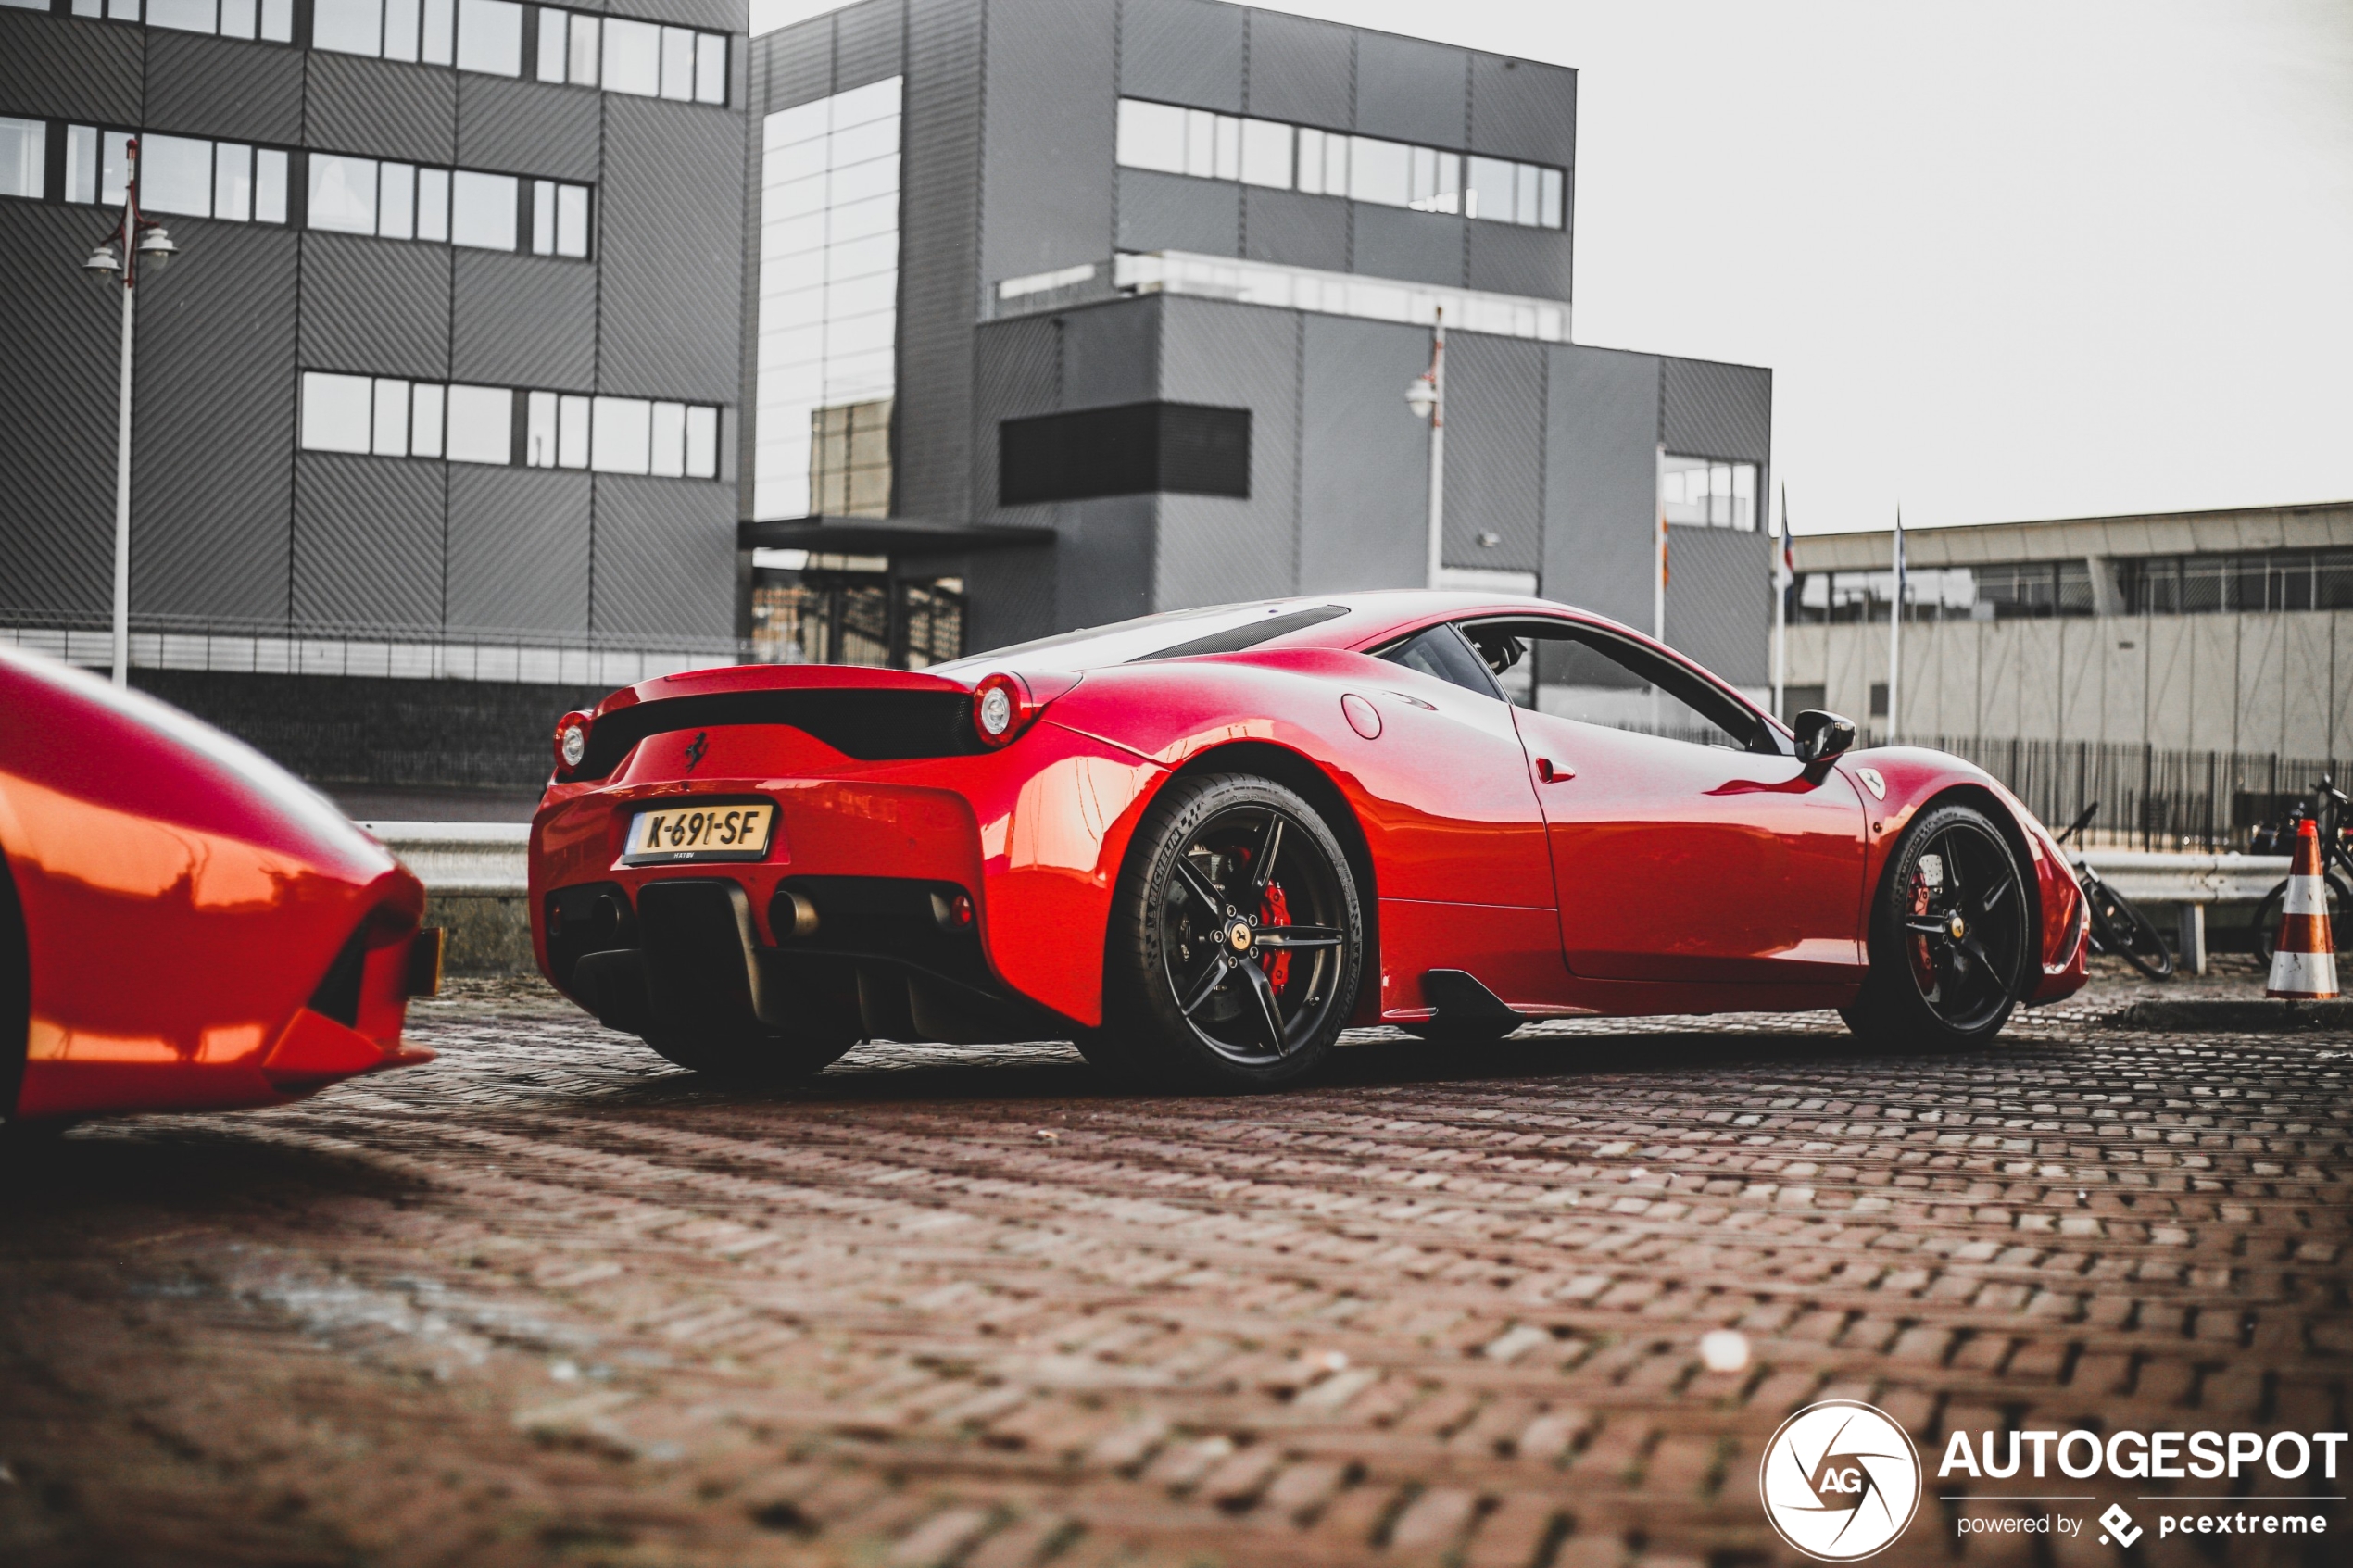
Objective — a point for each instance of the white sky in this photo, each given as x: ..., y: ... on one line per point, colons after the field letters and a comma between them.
x: 2006, y: 259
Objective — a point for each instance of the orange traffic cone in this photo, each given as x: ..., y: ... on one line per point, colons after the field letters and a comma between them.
x: 2303, y: 965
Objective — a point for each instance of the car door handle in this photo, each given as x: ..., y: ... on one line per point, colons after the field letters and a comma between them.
x: 1552, y: 771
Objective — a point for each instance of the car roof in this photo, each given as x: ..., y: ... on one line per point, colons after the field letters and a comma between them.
x: 1328, y: 620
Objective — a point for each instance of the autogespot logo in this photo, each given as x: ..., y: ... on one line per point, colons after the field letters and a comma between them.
x: 1841, y: 1480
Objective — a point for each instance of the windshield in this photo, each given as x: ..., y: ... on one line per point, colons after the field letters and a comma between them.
x: 1092, y: 647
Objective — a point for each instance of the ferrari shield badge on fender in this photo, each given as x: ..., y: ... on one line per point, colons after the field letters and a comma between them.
x: 1872, y: 781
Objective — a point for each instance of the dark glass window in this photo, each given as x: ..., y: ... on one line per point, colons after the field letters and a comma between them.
x: 1133, y: 449
x: 2277, y: 581
x: 846, y: 611
x: 2333, y: 580
x: 1441, y: 653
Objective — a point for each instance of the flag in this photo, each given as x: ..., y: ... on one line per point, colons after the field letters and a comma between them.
x: 1788, y: 551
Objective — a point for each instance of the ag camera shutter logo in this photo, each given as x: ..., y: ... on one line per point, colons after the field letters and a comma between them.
x: 1840, y: 1480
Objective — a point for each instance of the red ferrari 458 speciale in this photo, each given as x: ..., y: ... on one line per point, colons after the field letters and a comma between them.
x: 1200, y: 844
x: 183, y: 924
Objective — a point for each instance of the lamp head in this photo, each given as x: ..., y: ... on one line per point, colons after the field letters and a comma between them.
x: 155, y: 249
x: 102, y: 266
x: 1421, y: 397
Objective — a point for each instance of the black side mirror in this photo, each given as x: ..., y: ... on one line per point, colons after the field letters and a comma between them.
x: 1821, y: 736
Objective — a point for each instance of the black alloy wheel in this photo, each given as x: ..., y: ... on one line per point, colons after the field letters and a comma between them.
x: 1951, y: 936
x: 1237, y: 940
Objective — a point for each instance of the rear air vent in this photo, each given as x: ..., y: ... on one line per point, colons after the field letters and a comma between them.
x: 338, y: 993
x: 872, y: 726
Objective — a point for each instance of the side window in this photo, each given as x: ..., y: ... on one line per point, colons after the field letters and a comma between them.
x: 1442, y: 652
x: 1576, y: 672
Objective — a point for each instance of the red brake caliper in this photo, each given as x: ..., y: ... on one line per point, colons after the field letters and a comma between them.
x: 1923, y: 961
x: 1275, y: 910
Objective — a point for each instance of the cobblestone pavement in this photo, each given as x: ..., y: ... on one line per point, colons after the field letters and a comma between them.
x: 549, y: 1300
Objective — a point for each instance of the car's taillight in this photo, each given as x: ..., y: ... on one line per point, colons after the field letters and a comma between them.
x: 571, y: 740
x: 1002, y: 710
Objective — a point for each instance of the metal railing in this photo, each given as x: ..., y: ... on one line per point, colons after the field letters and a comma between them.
x: 2151, y: 799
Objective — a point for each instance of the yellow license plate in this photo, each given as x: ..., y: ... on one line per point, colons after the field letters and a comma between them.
x: 732, y: 831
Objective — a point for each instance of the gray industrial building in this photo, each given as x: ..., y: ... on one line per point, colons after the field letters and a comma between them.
x: 515, y: 351
x: 441, y: 387
x: 2228, y: 632
x: 1162, y: 272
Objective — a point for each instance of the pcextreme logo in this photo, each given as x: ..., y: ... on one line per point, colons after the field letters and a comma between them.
x: 1840, y: 1480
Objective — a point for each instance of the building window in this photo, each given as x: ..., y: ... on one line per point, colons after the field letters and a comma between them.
x: 828, y: 293
x: 464, y: 207
x: 1702, y: 492
x: 490, y: 37
x: 1133, y: 449
x: 847, y: 609
x: 344, y: 194
x: 1171, y: 139
x: 270, y: 21
x: 481, y: 209
x: 2279, y: 581
x: 182, y: 175
x: 24, y: 157
x: 392, y: 417
x: 850, y: 459
x: 2004, y: 590
x: 497, y: 38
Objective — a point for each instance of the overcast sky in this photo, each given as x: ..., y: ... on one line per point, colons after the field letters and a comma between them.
x: 2006, y: 259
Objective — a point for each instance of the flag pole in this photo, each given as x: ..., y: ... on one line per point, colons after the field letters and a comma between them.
x: 1785, y: 573
x: 1895, y: 628
x: 1658, y: 575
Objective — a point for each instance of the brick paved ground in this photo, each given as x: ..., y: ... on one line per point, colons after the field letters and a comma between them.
x: 549, y: 1300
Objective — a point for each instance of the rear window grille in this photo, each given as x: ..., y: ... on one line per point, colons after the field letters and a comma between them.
x: 872, y: 726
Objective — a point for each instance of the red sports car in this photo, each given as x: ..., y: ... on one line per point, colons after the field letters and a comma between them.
x: 1200, y: 844
x: 183, y: 925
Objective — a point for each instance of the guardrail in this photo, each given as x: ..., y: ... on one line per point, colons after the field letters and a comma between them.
x: 485, y: 860
x: 2159, y: 877
x: 460, y: 860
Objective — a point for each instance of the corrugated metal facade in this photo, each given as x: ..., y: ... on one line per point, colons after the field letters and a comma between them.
x: 57, y: 386
x: 216, y: 338
x: 938, y: 256
x: 1494, y: 452
x: 1051, y: 70
x: 1183, y: 52
x: 1364, y: 458
x: 366, y: 305
x: 1211, y: 549
x: 234, y: 531
x: 1601, y: 480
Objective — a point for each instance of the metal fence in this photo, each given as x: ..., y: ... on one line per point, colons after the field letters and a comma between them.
x: 2148, y: 799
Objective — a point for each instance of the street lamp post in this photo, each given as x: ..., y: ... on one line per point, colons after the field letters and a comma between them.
x: 1426, y: 394
x: 143, y: 245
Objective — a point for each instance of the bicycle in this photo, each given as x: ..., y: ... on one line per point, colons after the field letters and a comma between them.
x: 2118, y: 925
x: 2326, y: 811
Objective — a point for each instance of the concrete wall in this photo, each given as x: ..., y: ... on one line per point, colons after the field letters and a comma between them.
x: 2275, y: 683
